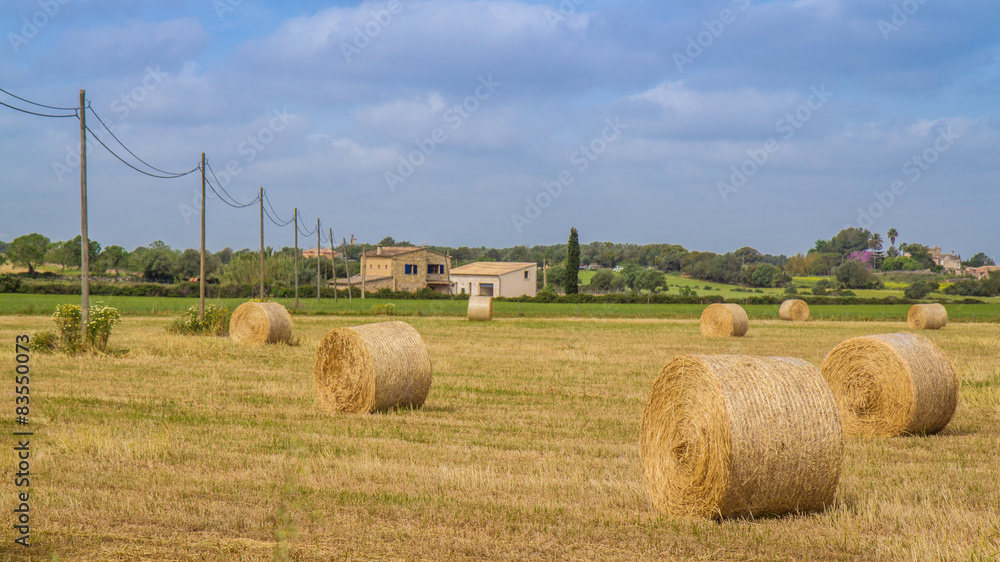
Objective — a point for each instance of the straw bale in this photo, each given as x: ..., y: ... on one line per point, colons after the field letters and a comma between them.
x: 927, y: 317
x: 892, y: 384
x: 372, y: 368
x: 259, y: 323
x: 722, y: 320
x: 736, y: 436
x: 795, y: 310
x: 481, y: 308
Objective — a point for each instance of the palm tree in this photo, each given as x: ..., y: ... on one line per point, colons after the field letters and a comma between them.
x: 892, y: 234
x: 875, y: 242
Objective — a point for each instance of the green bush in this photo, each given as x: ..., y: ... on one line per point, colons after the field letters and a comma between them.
x: 216, y: 322
x: 386, y: 309
x: 102, y: 320
x: 917, y: 290
x: 44, y: 341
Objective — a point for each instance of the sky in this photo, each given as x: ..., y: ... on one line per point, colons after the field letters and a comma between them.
x: 714, y: 125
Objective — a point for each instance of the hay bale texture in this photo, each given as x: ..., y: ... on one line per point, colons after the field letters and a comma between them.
x: 260, y: 323
x: 723, y: 320
x: 734, y: 435
x: 927, y: 317
x: 481, y: 308
x: 892, y: 384
x: 795, y: 310
x: 372, y: 368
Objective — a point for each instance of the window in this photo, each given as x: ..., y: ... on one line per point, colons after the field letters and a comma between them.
x: 410, y: 269
x: 486, y: 289
x: 435, y: 268
x: 525, y: 274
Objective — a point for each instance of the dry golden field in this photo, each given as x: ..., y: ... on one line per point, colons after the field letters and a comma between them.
x: 191, y: 448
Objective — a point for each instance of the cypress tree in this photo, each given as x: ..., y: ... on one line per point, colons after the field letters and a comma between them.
x: 572, y: 282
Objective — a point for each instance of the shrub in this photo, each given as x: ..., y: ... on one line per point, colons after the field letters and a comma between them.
x: 102, y: 320
x: 386, y: 309
x: 791, y: 290
x: 44, y: 341
x: 216, y: 322
x: 917, y: 291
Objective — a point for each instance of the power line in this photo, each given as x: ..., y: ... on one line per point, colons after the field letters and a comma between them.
x: 35, y: 113
x: 273, y: 220
x: 38, y: 104
x: 108, y: 129
x: 310, y: 233
x: 223, y: 199
x: 235, y: 203
x: 268, y: 200
x: 122, y: 160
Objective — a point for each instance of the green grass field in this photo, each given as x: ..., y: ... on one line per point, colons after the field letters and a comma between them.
x: 193, y: 448
x: 20, y: 304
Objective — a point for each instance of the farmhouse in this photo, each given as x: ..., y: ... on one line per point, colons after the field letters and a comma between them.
x: 401, y: 268
x: 496, y: 279
x: 982, y: 272
x: 950, y: 262
x: 325, y: 252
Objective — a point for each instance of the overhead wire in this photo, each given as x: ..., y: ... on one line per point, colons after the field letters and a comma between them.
x: 39, y: 104
x: 235, y: 202
x: 208, y: 182
x: 108, y: 129
x: 35, y: 112
x: 122, y: 160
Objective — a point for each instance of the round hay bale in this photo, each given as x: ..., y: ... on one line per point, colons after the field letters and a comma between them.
x: 723, y: 320
x: 891, y: 384
x: 795, y: 310
x: 260, y: 323
x: 481, y: 308
x: 735, y: 436
x: 372, y: 368
x: 927, y: 317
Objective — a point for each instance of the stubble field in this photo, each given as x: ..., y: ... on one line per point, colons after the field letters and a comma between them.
x: 191, y: 448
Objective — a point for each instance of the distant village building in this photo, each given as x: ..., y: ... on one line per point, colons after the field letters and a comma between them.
x: 496, y: 279
x: 982, y: 272
x: 948, y: 262
x: 401, y: 268
x: 325, y: 252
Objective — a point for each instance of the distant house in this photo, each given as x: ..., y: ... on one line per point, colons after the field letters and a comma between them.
x: 401, y: 268
x: 948, y: 262
x: 981, y: 272
x: 325, y: 252
x: 496, y: 279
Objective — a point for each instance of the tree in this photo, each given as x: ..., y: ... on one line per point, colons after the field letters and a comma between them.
x: 572, y: 283
x: 28, y: 250
x: 114, y: 257
x: 556, y: 276
x: 73, y: 253
x: 917, y: 291
x: 651, y: 280
x: 893, y: 235
x: 601, y: 281
x: 158, y: 262
x: 875, y: 243
x: 979, y: 260
x: 855, y: 275
x: 387, y: 241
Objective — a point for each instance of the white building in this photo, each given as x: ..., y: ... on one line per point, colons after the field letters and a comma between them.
x: 496, y: 279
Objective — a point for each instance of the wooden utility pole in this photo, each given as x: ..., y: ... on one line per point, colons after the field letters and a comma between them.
x: 347, y: 265
x: 545, y: 273
x: 84, y: 237
x: 318, y: 246
x: 295, y: 222
x: 333, y: 260
x: 201, y: 278
x: 261, y: 197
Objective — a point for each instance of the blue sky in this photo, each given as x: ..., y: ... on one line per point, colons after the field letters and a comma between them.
x: 714, y: 125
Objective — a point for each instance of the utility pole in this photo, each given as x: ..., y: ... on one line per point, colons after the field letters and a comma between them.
x: 318, y: 246
x: 295, y: 222
x: 84, y: 237
x: 545, y: 272
x: 333, y: 260
x: 201, y: 278
x: 261, y: 197
x: 347, y: 264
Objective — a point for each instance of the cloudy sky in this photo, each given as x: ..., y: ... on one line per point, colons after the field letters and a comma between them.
x: 713, y: 125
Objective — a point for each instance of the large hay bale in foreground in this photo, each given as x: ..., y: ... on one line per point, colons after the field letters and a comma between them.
x: 892, y: 384
x: 372, y: 368
x: 795, y: 310
x: 723, y: 320
x: 481, y: 308
x: 927, y: 317
x: 734, y: 435
x: 260, y: 323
